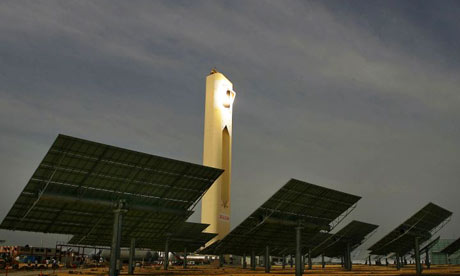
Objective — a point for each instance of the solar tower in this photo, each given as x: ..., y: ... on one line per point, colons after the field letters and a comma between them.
x: 217, y: 152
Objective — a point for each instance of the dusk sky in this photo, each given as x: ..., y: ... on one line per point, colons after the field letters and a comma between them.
x: 358, y: 96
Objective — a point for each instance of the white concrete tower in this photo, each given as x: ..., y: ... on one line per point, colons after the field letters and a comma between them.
x: 217, y: 152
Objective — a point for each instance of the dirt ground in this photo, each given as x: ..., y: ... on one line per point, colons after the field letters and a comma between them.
x: 331, y: 270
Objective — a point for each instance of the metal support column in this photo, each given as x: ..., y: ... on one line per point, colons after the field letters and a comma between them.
x: 185, y: 258
x: 398, y: 262
x: 283, y: 262
x: 67, y: 256
x: 115, y: 264
x: 221, y: 260
x: 323, y: 264
x: 427, y: 258
x: 370, y: 264
x: 298, y: 253
x: 302, y: 263
x: 245, y: 265
x: 267, y: 259
x: 310, y: 265
x: 349, y: 261
x: 131, y: 263
x: 292, y: 261
x: 418, y: 267
x: 166, y: 254
x: 253, y: 260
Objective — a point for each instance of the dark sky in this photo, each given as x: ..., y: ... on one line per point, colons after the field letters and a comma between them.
x: 359, y: 96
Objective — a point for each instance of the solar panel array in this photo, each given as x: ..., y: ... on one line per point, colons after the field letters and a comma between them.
x: 273, y: 224
x: 429, y: 245
x: 452, y: 248
x: 178, y: 243
x: 421, y: 224
x: 185, y: 235
x: 75, y: 187
x: 353, y: 233
x: 78, y: 183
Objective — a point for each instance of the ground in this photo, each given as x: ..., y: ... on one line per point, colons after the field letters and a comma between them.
x: 332, y: 270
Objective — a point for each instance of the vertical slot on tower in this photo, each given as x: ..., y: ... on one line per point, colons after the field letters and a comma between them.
x: 226, y: 151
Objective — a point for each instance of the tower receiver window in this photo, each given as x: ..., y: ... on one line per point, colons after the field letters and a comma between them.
x: 228, y: 99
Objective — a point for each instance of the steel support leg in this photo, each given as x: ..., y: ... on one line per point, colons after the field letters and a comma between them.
x: 116, y: 240
x: 166, y: 257
x: 283, y: 262
x: 298, y: 253
x: 78, y: 255
x: 302, y: 263
x: 310, y: 265
x: 245, y: 264
x: 349, y: 261
x: 427, y: 259
x: 418, y: 267
x: 67, y: 256
x: 398, y: 262
x: 221, y: 260
x: 253, y: 260
x: 60, y: 254
x: 323, y: 264
x: 267, y: 259
x: 131, y: 257
x: 185, y: 258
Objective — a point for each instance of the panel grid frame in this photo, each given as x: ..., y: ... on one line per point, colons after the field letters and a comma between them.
x: 96, y: 176
x: 297, y: 203
x: 422, y: 224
